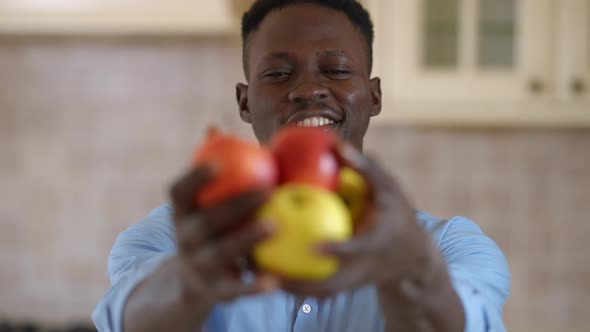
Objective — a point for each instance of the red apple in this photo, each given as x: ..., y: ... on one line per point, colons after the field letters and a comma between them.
x: 244, y: 166
x: 306, y: 155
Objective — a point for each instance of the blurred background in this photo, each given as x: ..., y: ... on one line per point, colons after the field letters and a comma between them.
x: 486, y: 115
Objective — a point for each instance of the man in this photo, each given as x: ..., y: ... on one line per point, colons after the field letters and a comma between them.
x: 408, y: 272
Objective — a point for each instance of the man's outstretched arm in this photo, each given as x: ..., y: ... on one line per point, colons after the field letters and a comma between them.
x: 168, y: 272
x: 472, y: 285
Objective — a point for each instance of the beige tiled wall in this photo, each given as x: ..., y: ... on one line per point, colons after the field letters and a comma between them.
x: 93, y: 130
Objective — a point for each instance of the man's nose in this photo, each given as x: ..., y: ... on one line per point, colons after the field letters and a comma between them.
x: 308, y: 92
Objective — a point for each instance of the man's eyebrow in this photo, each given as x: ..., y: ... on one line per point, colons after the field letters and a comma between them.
x: 332, y: 53
x: 279, y: 55
x: 289, y: 56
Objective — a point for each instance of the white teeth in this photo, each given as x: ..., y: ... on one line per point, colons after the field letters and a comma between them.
x: 314, y: 122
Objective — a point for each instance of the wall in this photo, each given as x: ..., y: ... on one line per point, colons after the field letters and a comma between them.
x: 92, y: 131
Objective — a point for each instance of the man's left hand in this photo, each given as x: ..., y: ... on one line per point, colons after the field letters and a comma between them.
x: 393, y: 247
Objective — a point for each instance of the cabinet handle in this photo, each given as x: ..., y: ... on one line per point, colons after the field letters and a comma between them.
x: 537, y: 86
x: 578, y: 86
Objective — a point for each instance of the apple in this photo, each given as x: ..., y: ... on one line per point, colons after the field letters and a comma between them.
x: 353, y: 190
x: 306, y: 155
x: 303, y: 216
x: 244, y: 166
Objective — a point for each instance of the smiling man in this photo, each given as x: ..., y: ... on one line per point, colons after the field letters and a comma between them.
x: 306, y: 63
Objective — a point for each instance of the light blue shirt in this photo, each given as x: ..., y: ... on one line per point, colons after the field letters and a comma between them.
x: 477, y: 266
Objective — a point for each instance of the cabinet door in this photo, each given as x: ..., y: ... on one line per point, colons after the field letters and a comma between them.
x: 92, y: 17
x: 578, y: 80
x: 463, y: 50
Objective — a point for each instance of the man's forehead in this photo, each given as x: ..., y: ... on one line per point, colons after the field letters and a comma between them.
x: 305, y: 29
x: 279, y: 41
x: 304, y: 22
x: 284, y: 55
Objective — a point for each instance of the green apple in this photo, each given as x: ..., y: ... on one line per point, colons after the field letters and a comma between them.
x: 304, y: 216
x: 353, y: 190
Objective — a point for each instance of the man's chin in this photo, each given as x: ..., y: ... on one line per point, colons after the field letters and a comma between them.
x: 347, y: 136
x: 340, y: 130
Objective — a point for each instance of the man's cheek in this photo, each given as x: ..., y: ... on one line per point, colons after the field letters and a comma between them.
x: 266, y: 126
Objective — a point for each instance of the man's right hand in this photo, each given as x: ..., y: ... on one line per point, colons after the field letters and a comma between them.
x: 180, y: 295
x: 208, y: 247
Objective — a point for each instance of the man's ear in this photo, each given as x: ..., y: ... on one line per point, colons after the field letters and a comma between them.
x: 242, y: 99
x: 375, y: 85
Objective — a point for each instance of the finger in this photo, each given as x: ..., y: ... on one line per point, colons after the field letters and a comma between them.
x: 183, y: 191
x: 191, y: 232
x: 195, y: 229
x: 222, y: 254
x: 350, y: 276
x: 357, y: 248
x: 234, y: 211
x: 385, y: 188
x: 241, y: 243
x: 376, y: 176
x: 228, y: 289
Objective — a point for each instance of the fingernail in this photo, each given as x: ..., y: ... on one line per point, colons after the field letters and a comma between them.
x: 269, y: 226
x: 350, y: 153
x: 321, y: 249
x: 268, y: 283
x: 215, y: 167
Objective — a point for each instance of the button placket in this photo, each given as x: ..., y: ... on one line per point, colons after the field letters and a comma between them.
x: 307, y: 316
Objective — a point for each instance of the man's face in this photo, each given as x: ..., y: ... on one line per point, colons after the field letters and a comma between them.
x: 308, y: 65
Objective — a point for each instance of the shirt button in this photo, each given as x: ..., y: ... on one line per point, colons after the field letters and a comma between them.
x: 306, y: 308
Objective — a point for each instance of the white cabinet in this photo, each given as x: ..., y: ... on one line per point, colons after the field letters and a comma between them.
x: 200, y: 17
x: 575, y: 57
x: 483, y: 62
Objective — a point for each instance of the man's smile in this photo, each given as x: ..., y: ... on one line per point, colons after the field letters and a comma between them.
x: 316, y: 121
x: 316, y: 118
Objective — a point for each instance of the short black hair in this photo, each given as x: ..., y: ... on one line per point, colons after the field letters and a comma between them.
x: 357, y: 14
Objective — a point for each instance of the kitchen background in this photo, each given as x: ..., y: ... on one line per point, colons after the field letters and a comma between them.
x: 487, y: 115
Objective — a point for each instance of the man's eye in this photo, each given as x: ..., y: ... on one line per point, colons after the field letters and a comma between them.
x: 277, y: 74
x: 337, y: 72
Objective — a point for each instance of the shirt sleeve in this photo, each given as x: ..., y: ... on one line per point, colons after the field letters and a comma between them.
x: 479, y: 272
x: 137, y: 252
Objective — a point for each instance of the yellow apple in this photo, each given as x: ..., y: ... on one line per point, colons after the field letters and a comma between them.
x: 353, y: 190
x: 304, y: 216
